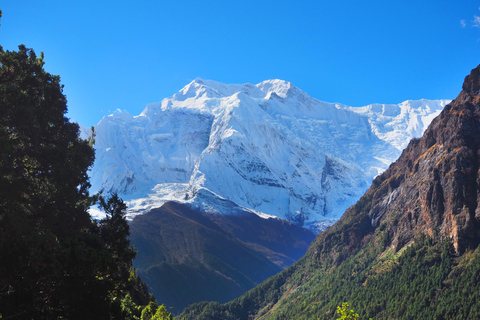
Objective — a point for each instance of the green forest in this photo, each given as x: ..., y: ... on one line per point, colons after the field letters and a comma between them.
x: 426, y: 280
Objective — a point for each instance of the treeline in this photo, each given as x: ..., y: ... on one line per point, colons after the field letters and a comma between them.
x: 55, y: 260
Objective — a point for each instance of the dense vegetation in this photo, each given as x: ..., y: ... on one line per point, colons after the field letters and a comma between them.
x: 424, y: 281
x: 56, y: 262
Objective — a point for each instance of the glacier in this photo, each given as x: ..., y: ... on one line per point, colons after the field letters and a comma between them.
x: 268, y: 148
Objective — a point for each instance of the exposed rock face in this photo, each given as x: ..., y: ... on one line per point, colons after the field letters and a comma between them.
x: 433, y: 187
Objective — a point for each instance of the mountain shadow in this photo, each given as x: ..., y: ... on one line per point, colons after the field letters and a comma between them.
x: 408, y: 249
x: 186, y: 256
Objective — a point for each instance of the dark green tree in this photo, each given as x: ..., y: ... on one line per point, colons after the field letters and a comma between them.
x: 114, y: 231
x: 55, y: 261
x: 43, y: 187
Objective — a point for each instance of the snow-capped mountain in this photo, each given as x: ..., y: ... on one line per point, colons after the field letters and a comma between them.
x: 270, y: 148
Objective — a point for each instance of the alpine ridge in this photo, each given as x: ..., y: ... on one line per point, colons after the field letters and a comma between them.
x: 269, y: 148
x: 408, y: 249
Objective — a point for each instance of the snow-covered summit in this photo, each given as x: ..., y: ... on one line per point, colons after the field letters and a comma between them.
x: 200, y: 88
x: 270, y: 148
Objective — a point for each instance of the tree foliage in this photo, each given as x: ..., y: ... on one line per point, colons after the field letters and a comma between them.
x: 56, y: 262
x: 154, y: 312
x: 345, y: 313
x: 114, y: 232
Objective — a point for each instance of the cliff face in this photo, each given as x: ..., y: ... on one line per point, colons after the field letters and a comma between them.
x: 434, y: 186
x: 432, y: 189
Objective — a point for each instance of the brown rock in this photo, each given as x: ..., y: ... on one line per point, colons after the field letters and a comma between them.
x: 439, y: 190
x: 433, y: 188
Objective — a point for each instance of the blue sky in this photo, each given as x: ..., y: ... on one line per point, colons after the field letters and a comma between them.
x: 124, y: 54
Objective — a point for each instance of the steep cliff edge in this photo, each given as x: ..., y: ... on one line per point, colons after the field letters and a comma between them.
x: 434, y: 186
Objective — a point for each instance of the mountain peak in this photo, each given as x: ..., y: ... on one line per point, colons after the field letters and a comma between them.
x: 214, y: 89
x: 263, y: 147
x: 208, y: 83
x: 281, y: 88
x: 471, y: 84
x: 208, y: 89
x: 198, y: 80
x: 195, y: 89
x: 470, y: 89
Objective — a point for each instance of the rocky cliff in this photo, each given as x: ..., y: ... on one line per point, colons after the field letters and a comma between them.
x: 434, y: 186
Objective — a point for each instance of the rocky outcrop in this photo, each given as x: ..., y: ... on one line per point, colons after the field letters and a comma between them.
x: 433, y: 188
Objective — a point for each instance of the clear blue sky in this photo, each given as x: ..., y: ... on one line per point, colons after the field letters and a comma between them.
x: 125, y: 54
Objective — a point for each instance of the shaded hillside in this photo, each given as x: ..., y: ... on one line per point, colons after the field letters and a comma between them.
x: 407, y: 250
x: 185, y: 256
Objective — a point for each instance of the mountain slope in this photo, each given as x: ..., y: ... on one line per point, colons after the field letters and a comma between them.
x: 185, y: 256
x: 407, y: 249
x: 280, y: 151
